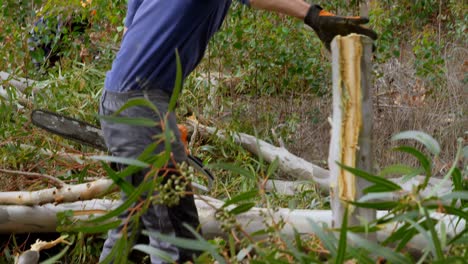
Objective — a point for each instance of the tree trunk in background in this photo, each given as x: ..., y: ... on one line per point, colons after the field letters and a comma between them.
x: 364, y: 8
x: 351, y: 140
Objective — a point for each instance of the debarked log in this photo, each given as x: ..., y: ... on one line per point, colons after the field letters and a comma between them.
x: 43, y: 218
x: 67, y: 193
x: 91, y: 190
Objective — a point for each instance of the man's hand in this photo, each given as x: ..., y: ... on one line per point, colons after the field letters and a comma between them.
x: 327, y: 25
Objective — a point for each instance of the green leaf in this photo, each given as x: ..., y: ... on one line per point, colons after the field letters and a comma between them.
x: 131, y: 199
x: 385, y: 184
x: 363, y: 229
x: 416, y: 172
x: 428, y: 141
x: 398, y: 234
x: 57, y: 257
x: 462, y: 195
x: 186, y: 243
x: 457, y: 180
x: 292, y: 249
x: 376, y: 196
x: 230, y: 167
x: 453, y: 168
x: 132, y: 102
x: 424, y: 233
x: 406, y: 238
x: 272, y: 167
x: 118, y: 249
x: 451, y: 260
x: 465, y: 152
x: 177, y: 84
x: 387, y: 253
x: 242, y: 208
x: 403, y: 216
x: 126, y: 161
x: 375, y: 189
x: 131, y: 121
x: 168, y: 136
x: 328, y: 240
x: 91, y: 229
x: 425, y: 163
x: 361, y: 256
x: 434, y: 235
x: 199, y: 244
x: 154, y: 252
x: 451, y: 210
x: 397, y: 169
x: 241, y: 197
x: 244, y: 252
x: 119, y: 181
x: 341, y: 254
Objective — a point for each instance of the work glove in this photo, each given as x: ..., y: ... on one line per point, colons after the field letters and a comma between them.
x: 327, y: 25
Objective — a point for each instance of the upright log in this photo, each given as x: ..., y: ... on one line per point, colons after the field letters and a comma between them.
x: 351, y: 139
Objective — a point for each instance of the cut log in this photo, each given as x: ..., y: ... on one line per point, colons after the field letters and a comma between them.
x: 37, y: 219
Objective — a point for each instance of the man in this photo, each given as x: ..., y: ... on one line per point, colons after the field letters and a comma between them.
x: 145, y: 66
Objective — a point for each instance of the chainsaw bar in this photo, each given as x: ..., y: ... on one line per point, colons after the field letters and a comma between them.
x: 69, y: 128
x: 87, y: 134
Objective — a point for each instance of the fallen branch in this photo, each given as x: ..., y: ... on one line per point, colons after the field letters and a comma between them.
x: 68, y: 193
x: 22, y: 101
x: 56, y: 182
x: 65, y: 156
x: 98, y: 188
x: 288, y: 163
x: 19, y: 83
x: 18, y: 219
x: 65, y: 193
x: 304, y: 170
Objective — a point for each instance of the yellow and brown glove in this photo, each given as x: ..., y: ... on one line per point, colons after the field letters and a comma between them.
x: 328, y: 25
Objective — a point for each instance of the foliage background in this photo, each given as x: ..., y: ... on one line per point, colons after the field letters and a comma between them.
x: 262, y: 74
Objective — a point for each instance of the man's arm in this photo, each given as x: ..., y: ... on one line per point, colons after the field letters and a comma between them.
x: 324, y: 23
x: 295, y: 8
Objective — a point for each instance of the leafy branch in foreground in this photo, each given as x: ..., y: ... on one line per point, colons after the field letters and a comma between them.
x: 411, y: 211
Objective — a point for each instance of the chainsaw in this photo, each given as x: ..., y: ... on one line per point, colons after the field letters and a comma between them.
x: 91, y: 135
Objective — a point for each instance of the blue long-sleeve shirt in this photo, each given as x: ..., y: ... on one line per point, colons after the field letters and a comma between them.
x: 156, y: 28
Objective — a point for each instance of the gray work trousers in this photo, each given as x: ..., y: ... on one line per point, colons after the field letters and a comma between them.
x: 129, y: 141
